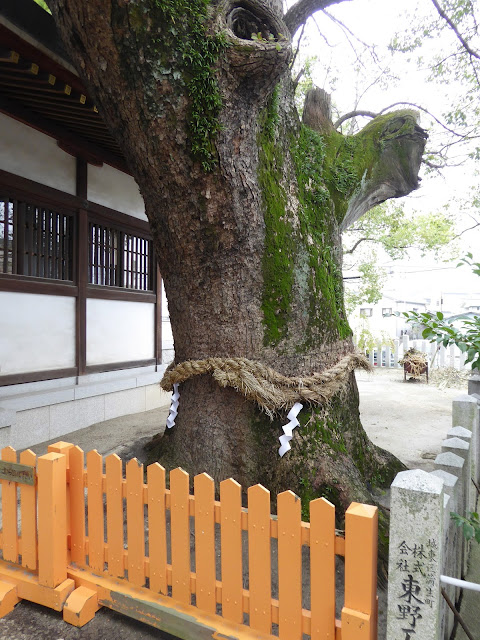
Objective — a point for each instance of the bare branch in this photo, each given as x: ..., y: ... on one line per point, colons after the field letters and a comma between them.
x: 382, y: 73
x: 296, y: 53
x: 353, y: 114
x: 417, y: 106
x: 468, y: 229
x: 346, y: 30
x: 299, y: 13
x: 298, y: 77
x: 431, y: 165
x: 348, y: 251
x: 455, y: 30
x: 321, y: 34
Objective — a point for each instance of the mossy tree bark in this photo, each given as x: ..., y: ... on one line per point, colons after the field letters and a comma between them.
x: 246, y: 206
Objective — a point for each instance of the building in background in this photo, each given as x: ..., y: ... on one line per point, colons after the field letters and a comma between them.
x: 80, y: 292
x: 381, y: 319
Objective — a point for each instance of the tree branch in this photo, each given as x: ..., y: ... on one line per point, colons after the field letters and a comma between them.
x: 347, y: 31
x: 477, y: 224
x: 299, y: 13
x: 295, y: 56
x: 353, y: 114
x: 453, y: 27
x: 417, y: 106
x: 348, y: 251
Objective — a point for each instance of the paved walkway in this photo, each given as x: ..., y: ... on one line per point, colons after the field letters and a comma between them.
x: 117, y: 435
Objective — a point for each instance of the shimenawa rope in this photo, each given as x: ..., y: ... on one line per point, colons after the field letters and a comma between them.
x: 271, y: 390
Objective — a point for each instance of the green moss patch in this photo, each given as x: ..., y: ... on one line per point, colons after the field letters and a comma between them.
x: 172, y: 39
x: 326, y: 314
x: 279, y: 254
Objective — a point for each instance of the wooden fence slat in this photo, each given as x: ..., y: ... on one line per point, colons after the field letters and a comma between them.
x: 259, y: 561
x: 96, y: 538
x: 65, y: 448
x: 157, y: 532
x: 77, y: 506
x: 289, y: 566
x: 114, y: 493
x: 180, y: 535
x: 361, y: 530
x: 388, y: 356
x: 231, y: 546
x: 204, y: 490
x: 441, y: 356
x: 28, y: 510
x: 52, y: 519
x: 9, y: 511
x: 451, y: 356
x: 322, y: 569
x: 135, y: 523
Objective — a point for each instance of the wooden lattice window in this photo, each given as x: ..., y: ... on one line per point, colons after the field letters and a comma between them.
x: 119, y: 259
x: 35, y: 240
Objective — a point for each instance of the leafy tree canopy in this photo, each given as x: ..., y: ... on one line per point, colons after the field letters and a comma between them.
x: 389, y: 230
x: 455, y: 64
x: 444, y: 332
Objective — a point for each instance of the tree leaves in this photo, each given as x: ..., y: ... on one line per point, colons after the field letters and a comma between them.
x: 442, y: 331
x: 470, y: 526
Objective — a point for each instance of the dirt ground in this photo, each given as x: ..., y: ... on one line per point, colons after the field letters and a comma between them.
x: 408, y: 418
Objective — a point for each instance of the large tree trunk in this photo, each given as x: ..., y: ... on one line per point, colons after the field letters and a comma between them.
x: 246, y: 206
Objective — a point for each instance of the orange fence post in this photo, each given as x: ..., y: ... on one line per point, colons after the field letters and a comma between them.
x: 231, y: 545
x: 65, y: 448
x: 289, y: 566
x: 52, y: 519
x: 77, y: 506
x: 359, y: 615
x: 135, y: 523
x: 180, y: 535
x: 322, y: 569
x: 259, y: 561
x: 157, y: 532
x: 114, y: 492
x: 9, y: 512
x: 96, y: 536
x: 204, y: 489
x: 28, y: 510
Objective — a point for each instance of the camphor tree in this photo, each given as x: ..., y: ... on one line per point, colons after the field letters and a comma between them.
x: 246, y: 205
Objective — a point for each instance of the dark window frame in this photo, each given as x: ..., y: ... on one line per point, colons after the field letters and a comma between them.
x: 364, y: 314
x: 82, y: 211
x: 23, y: 189
x: 112, y: 264
x: 43, y: 239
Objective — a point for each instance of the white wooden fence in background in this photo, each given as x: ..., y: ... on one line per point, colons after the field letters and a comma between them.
x: 385, y: 356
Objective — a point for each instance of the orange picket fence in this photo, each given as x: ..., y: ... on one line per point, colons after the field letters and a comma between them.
x: 86, y: 537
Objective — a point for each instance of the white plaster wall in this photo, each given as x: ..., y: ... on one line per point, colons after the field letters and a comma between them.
x: 34, y: 155
x: 37, y: 332
x: 115, y: 189
x: 119, y: 331
x: 167, y: 336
